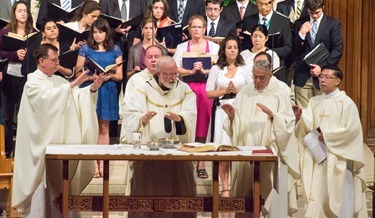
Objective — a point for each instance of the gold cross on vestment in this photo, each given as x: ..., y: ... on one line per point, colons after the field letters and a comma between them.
x: 323, y: 116
x: 256, y: 110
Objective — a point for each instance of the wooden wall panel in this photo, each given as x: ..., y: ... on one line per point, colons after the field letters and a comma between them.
x: 358, y: 64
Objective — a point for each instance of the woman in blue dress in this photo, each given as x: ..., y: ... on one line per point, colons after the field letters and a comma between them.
x: 101, y: 49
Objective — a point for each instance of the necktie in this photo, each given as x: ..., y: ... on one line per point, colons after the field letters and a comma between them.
x: 241, y: 12
x: 65, y: 4
x: 180, y: 10
x: 124, y: 12
x: 313, y: 31
x: 264, y: 21
x: 212, y: 30
x: 298, y: 10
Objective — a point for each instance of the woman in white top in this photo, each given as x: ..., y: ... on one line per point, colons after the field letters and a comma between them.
x: 196, y: 77
x: 225, y: 80
x: 259, y: 37
x: 85, y: 16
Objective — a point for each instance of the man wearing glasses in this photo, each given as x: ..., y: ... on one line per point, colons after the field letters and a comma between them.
x: 217, y: 25
x: 310, y: 31
x: 275, y: 23
x: 163, y: 107
x: 262, y: 115
x: 335, y: 185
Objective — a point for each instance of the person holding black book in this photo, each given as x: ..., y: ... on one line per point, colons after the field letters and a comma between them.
x: 158, y: 10
x: 21, y: 24
x: 225, y: 80
x: 50, y: 33
x: 43, y: 14
x: 310, y: 31
x: 137, y: 52
x: 196, y: 76
x: 101, y: 49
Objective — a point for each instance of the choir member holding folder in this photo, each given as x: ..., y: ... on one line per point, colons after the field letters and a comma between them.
x: 196, y: 76
x: 158, y: 10
x: 50, y: 33
x: 137, y: 52
x: 21, y: 24
x: 101, y: 49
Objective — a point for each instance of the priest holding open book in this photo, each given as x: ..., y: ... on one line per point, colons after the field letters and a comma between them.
x: 262, y: 115
x: 334, y: 186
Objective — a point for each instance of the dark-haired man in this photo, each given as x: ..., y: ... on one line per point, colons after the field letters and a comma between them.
x: 217, y: 25
x: 335, y: 187
x: 310, y: 31
x: 52, y: 111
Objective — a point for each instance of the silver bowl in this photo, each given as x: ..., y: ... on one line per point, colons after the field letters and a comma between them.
x: 153, y: 146
x: 169, y: 142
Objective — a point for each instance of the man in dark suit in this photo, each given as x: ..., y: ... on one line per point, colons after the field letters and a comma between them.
x: 294, y: 9
x: 275, y: 23
x: 310, y: 31
x: 43, y: 10
x: 233, y: 12
x: 216, y: 24
x: 190, y: 8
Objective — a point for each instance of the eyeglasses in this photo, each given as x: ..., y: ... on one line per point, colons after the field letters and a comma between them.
x: 264, y: 4
x: 170, y: 75
x: 197, y: 27
x: 260, y: 78
x: 326, y: 76
x: 213, y: 9
x: 54, y: 60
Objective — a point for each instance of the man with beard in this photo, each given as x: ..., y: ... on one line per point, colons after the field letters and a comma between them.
x: 162, y: 101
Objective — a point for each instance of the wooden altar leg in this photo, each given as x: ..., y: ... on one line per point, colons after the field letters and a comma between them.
x: 256, y: 190
x: 65, y: 188
x: 215, y: 189
x: 106, y: 189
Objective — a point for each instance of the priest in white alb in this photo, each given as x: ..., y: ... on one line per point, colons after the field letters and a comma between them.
x: 52, y: 111
x: 152, y: 55
x: 163, y: 108
x: 262, y: 115
x: 335, y: 187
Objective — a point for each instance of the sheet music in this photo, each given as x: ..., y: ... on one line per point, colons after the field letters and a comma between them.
x: 317, y: 148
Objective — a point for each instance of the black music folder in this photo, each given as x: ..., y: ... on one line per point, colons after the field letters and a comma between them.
x: 14, y: 42
x: 317, y: 56
x: 172, y: 35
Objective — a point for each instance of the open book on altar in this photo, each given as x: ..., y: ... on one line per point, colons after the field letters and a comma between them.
x: 209, y: 147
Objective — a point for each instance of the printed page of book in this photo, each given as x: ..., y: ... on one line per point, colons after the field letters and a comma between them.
x: 317, y: 148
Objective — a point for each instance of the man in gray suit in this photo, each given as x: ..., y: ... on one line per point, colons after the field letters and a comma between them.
x: 190, y: 8
x: 217, y: 25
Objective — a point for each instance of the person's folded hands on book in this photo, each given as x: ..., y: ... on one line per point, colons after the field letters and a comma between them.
x: 21, y: 54
x: 148, y: 116
x: 172, y: 116
x: 315, y: 70
x: 121, y: 30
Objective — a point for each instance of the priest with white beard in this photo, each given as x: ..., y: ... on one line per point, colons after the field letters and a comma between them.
x: 52, y: 111
x: 336, y: 187
x: 163, y: 108
x: 262, y: 115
